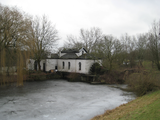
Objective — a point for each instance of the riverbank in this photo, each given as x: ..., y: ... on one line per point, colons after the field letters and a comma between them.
x: 146, y: 107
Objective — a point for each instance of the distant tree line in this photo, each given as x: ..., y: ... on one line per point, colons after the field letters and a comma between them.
x: 127, y: 50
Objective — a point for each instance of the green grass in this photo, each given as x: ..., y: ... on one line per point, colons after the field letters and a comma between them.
x: 146, y: 107
x: 147, y: 112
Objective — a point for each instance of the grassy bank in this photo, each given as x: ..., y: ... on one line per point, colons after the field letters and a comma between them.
x: 146, y: 107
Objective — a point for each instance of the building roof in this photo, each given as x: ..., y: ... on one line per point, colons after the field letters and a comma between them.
x: 69, y: 56
x: 54, y: 56
x: 84, y: 50
x: 86, y: 56
x: 70, y: 51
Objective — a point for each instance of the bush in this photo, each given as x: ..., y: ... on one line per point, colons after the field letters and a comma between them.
x: 74, y: 77
x: 53, y: 76
x: 142, y: 83
x: 96, y: 69
x: 113, y: 77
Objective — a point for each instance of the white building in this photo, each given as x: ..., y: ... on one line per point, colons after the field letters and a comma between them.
x: 76, y: 61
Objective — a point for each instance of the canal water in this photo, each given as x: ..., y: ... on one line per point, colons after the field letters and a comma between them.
x: 60, y: 100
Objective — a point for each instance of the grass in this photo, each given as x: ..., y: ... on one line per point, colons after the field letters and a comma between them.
x: 150, y: 111
x: 143, y: 108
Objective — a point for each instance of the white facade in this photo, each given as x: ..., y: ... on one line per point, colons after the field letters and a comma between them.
x: 30, y: 63
x: 51, y: 64
x: 75, y: 65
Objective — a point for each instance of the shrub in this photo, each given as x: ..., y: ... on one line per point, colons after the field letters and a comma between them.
x: 96, y: 69
x: 53, y: 76
x: 112, y: 77
x: 142, y: 83
x: 74, y: 77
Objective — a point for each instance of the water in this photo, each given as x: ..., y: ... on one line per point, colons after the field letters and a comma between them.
x: 59, y: 100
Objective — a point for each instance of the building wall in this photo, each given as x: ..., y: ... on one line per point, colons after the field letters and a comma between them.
x: 66, y: 69
x: 30, y: 64
x: 74, y: 65
x: 83, y: 66
x: 51, y: 64
x: 86, y: 65
x: 41, y: 63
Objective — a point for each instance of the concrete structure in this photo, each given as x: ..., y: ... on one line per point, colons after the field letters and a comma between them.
x: 76, y: 61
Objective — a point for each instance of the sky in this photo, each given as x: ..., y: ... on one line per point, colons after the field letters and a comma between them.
x: 115, y: 17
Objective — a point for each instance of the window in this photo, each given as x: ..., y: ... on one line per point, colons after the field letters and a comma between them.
x: 79, y: 65
x: 82, y: 52
x: 56, y: 67
x: 63, y: 65
x: 69, y: 65
x: 44, y: 67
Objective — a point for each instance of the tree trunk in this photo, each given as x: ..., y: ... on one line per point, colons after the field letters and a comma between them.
x: 158, y: 65
x: 140, y: 63
x: 152, y: 63
x: 110, y: 65
x: 157, y: 61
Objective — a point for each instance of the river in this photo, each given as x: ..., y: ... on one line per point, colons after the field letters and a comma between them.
x: 59, y: 100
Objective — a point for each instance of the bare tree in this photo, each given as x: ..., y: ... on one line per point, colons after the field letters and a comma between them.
x: 90, y: 38
x: 44, y: 35
x: 125, y: 49
x: 110, y: 47
x: 141, y: 47
x: 154, y: 42
x: 128, y: 51
x: 73, y: 43
x: 87, y: 39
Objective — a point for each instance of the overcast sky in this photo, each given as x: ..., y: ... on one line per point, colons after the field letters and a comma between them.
x: 114, y: 17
